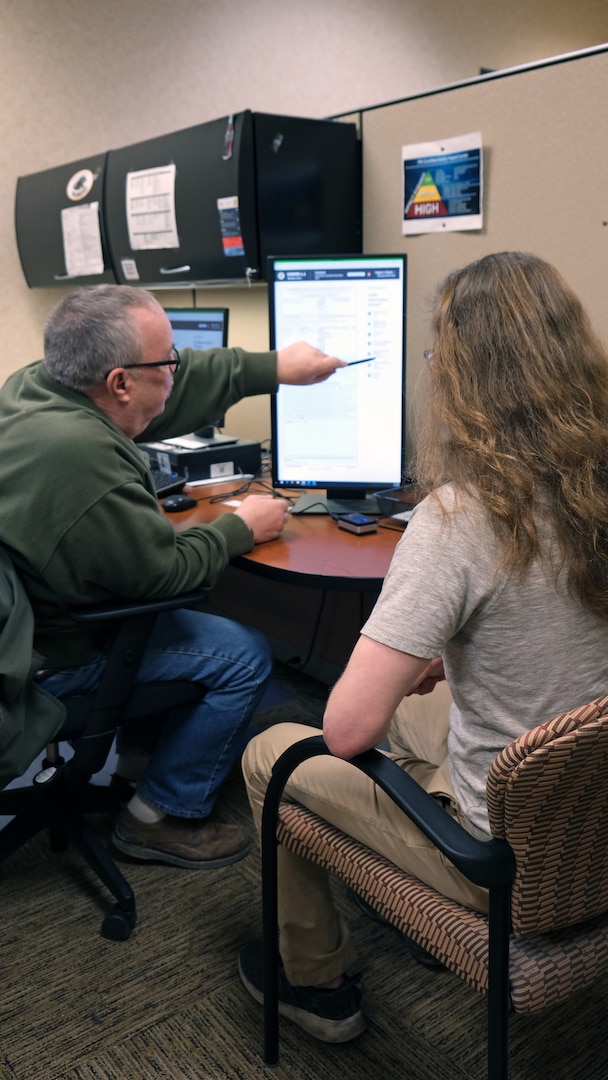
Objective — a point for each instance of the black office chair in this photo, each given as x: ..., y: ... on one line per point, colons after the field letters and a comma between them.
x: 61, y: 793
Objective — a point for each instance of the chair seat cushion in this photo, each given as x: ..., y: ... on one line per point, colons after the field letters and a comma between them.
x: 543, y: 970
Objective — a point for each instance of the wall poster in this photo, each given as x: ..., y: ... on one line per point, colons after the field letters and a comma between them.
x: 442, y: 185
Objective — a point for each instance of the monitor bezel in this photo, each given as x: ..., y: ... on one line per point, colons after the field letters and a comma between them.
x: 342, y: 497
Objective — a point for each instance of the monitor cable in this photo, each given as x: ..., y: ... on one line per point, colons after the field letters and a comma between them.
x: 296, y: 663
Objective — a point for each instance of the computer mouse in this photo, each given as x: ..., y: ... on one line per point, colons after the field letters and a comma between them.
x: 174, y: 503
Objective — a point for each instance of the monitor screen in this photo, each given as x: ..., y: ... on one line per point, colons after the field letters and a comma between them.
x: 200, y: 328
x: 343, y: 439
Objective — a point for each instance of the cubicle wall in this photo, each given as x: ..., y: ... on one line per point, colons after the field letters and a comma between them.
x: 545, y: 155
x: 545, y: 190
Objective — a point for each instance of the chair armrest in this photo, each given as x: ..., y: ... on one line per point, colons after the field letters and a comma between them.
x: 120, y: 609
x: 485, y: 862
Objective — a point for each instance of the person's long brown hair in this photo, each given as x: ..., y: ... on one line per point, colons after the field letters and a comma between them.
x: 518, y: 414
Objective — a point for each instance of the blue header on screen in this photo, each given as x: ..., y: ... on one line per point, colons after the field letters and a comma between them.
x: 351, y: 271
x: 199, y: 328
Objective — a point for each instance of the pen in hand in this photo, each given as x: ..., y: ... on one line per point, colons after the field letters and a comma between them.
x: 366, y: 361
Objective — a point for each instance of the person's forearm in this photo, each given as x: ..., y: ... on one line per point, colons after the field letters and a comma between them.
x: 363, y: 701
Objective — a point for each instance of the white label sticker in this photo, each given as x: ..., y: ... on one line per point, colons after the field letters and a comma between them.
x: 129, y: 269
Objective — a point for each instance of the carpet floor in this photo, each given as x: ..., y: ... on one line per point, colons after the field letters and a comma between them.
x: 168, y: 1003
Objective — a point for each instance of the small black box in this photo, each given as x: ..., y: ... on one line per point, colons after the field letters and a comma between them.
x: 197, y: 460
x: 357, y: 523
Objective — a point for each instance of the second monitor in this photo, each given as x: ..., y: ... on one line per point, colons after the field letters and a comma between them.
x: 200, y: 328
x: 343, y: 439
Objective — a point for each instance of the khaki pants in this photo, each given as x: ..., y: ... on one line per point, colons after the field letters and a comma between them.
x: 314, y: 940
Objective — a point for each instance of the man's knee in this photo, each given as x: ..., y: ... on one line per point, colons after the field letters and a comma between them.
x: 259, y: 649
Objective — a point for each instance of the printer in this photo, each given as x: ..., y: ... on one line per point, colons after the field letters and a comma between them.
x: 198, y: 458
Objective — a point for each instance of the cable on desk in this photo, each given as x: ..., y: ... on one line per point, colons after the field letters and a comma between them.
x: 320, y: 502
x: 236, y: 491
x: 266, y: 485
x: 261, y: 483
x: 228, y: 494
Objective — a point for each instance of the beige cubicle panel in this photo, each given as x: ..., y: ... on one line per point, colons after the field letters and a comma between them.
x: 545, y: 177
x: 545, y: 164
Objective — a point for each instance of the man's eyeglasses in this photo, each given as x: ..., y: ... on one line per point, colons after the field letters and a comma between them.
x: 173, y: 361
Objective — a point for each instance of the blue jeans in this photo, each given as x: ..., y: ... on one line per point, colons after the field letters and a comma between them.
x: 199, y: 743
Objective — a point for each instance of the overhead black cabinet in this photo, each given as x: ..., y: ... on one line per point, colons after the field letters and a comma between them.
x: 60, y: 225
x: 211, y: 202
x: 208, y: 203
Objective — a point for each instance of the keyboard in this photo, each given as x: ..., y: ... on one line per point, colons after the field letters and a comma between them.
x: 166, y: 483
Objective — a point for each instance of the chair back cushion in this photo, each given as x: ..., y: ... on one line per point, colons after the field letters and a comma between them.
x: 547, y: 795
x: 29, y: 717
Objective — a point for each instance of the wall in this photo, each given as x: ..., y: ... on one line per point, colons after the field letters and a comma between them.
x: 545, y: 165
x: 78, y: 77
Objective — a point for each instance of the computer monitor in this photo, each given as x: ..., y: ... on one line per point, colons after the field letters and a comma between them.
x: 343, y: 439
x: 200, y: 328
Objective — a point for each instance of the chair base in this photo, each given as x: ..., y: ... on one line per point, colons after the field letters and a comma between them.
x: 58, y: 807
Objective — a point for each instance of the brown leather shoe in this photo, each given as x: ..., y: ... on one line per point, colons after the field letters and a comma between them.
x: 191, y: 842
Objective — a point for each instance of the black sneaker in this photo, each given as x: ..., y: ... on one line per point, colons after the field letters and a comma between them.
x: 420, y: 955
x: 333, y: 1016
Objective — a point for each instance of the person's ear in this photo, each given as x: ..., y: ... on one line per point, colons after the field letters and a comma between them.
x: 118, y: 383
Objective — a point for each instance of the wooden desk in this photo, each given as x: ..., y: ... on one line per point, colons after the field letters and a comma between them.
x: 312, y: 551
x: 310, y: 591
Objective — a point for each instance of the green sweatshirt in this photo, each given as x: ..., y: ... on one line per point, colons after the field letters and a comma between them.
x: 79, y: 511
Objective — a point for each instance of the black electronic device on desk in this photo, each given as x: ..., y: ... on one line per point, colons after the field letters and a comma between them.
x: 341, y: 440
x: 167, y: 482
x: 359, y: 524
x: 198, y: 459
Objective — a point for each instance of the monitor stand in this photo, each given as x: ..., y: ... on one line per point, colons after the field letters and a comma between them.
x: 317, y: 502
x: 210, y: 436
x: 193, y: 441
x: 217, y: 440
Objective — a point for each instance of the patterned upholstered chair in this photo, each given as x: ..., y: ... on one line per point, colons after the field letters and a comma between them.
x: 546, y: 868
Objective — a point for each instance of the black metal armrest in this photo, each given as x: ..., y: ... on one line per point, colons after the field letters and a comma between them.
x: 488, y: 863
x: 485, y: 862
x: 95, y: 613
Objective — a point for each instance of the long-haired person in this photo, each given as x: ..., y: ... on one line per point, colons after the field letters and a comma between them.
x: 494, y: 613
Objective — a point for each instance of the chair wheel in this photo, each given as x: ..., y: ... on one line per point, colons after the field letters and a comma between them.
x: 118, y: 924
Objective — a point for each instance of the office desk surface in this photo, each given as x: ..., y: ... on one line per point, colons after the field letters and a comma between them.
x: 312, y: 550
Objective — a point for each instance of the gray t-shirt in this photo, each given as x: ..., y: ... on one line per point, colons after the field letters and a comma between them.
x: 515, y: 653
